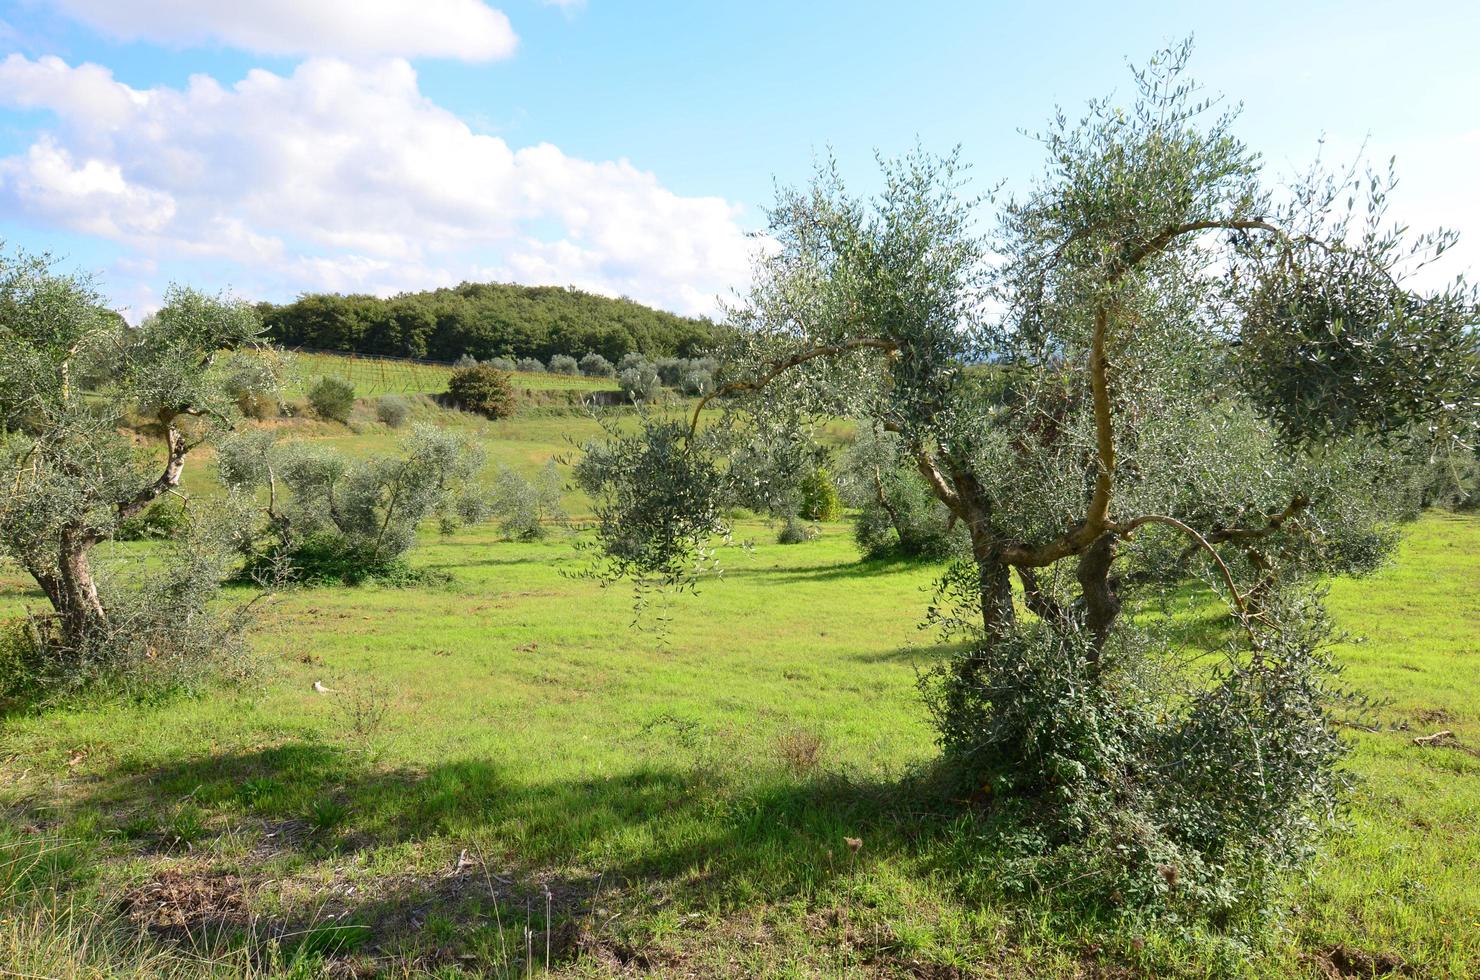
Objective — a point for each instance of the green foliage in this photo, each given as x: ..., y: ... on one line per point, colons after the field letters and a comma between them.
x: 691, y: 376
x: 162, y: 519
x: 1328, y: 350
x: 529, y: 365
x: 332, y: 399
x: 484, y: 320
x: 483, y: 389
x: 526, y: 507
x: 897, y: 513
x: 658, y: 501
x: 72, y: 376
x: 1156, y: 366
x: 393, y: 410
x: 326, y: 519
x: 639, y: 381
x: 564, y: 364
x: 819, y: 496
x: 166, y: 628
x: 593, y: 365
x: 1230, y: 784
x: 794, y: 531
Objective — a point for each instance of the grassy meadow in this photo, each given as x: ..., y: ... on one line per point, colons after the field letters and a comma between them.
x: 385, y: 376
x: 505, y: 777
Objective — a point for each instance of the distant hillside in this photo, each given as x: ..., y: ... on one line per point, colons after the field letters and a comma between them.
x: 485, y: 320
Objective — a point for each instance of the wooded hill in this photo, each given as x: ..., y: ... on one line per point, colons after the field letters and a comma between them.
x: 485, y: 320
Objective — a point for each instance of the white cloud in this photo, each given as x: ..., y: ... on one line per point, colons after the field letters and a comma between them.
x: 346, y: 177
x: 465, y: 29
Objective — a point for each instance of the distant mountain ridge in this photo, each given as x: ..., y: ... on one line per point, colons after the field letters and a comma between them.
x: 486, y: 320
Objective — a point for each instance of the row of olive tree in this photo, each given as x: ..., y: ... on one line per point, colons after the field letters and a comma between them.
x: 1182, y: 364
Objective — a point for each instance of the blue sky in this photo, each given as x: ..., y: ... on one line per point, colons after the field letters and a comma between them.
x: 625, y: 145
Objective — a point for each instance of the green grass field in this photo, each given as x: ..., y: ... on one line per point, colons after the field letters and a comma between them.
x: 381, y: 376
x: 506, y: 776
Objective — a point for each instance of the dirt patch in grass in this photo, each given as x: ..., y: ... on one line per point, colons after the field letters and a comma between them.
x: 1341, y: 961
x: 185, y: 899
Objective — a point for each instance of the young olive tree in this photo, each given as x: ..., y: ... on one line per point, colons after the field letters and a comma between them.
x: 327, y: 517
x: 75, y: 379
x: 1158, y: 364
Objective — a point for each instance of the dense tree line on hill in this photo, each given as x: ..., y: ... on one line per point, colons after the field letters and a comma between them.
x: 485, y: 320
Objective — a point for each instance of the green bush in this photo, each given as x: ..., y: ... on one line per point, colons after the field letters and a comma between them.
x: 483, y: 389
x: 162, y: 519
x: 795, y: 532
x: 1101, y: 793
x: 393, y: 410
x: 593, y: 365
x: 330, y: 559
x: 640, y: 382
x: 257, y: 405
x: 529, y: 365
x: 465, y: 360
x: 525, y: 506
x: 564, y: 364
x: 819, y: 494
x: 503, y: 363
x: 332, y: 399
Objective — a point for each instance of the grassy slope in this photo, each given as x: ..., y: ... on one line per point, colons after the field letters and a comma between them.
x: 664, y: 792
x: 379, y: 376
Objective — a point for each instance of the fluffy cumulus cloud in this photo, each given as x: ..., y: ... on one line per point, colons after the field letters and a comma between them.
x: 466, y: 29
x: 344, y: 176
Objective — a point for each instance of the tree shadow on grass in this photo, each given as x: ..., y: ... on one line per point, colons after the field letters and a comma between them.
x: 861, y: 569
x: 557, y: 857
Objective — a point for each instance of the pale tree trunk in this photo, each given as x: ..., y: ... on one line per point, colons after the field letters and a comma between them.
x: 73, y: 592
x: 70, y: 586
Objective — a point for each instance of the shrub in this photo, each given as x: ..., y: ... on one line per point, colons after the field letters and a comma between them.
x: 639, y: 382
x: 331, y: 519
x: 897, y: 512
x: 795, y: 532
x: 820, y: 496
x: 631, y: 359
x: 167, y: 630
x: 257, y: 405
x: 593, y: 365
x: 502, y: 363
x: 696, y: 379
x: 465, y: 360
x: 800, y: 750
x: 1052, y: 730
x: 529, y: 365
x: 564, y: 364
x: 162, y: 519
x: 525, y: 506
x: 332, y: 399
x: 670, y: 371
x: 483, y: 389
x: 393, y: 410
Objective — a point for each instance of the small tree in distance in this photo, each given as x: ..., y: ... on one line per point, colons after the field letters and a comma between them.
x: 483, y: 389
x: 332, y: 399
x: 1157, y: 366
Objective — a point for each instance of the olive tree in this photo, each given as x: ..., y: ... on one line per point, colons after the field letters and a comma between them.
x: 1154, y: 364
x: 328, y: 517
x: 76, y: 382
